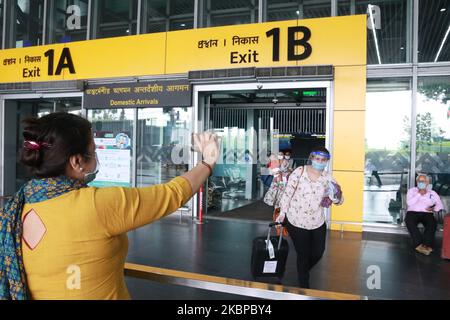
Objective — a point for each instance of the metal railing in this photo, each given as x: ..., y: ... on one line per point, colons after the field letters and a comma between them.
x: 232, y: 286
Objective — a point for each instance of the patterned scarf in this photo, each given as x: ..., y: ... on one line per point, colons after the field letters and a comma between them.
x: 13, y: 283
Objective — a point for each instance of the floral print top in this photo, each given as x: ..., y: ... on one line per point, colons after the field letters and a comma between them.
x: 302, y: 197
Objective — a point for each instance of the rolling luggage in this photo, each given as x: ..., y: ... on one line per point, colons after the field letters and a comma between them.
x: 269, y: 255
x: 445, y: 254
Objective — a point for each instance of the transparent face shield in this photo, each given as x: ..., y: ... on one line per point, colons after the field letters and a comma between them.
x: 319, y: 160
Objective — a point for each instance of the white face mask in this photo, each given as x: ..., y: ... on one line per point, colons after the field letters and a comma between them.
x: 90, y: 176
x: 280, y: 157
x: 287, y: 157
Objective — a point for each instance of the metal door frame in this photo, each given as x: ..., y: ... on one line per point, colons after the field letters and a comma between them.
x: 200, y: 89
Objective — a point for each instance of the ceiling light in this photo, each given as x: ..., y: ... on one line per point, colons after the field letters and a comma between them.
x: 442, y: 9
x: 183, y: 25
x: 442, y: 44
x: 297, y: 12
x: 374, y: 33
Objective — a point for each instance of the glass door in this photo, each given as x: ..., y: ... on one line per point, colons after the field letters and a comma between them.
x: 253, y: 124
x: 162, y: 144
x: 234, y: 180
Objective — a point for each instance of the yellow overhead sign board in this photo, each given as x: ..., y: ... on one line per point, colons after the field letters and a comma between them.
x: 335, y: 40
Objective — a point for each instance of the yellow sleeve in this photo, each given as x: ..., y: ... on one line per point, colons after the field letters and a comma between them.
x: 124, y: 209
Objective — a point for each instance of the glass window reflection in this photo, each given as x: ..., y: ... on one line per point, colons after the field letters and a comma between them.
x: 1, y: 24
x: 117, y: 18
x: 29, y: 108
x: 29, y: 22
x: 434, y: 31
x: 164, y: 15
x: 163, y: 144
x: 233, y: 12
x: 278, y: 10
x: 433, y: 133
x: 113, y: 137
x: 388, y: 29
x: 67, y: 21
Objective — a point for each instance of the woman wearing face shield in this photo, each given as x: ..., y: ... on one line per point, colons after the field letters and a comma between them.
x: 62, y: 239
x: 309, y: 190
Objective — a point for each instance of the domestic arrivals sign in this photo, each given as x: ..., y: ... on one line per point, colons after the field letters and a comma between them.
x: 176, y: 93
x: 332, y: 41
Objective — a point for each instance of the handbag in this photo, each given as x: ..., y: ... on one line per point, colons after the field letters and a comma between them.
x: 267, y: 179
x: 277, y: 211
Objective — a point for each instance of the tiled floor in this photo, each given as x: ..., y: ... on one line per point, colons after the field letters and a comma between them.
x: 223, y: 248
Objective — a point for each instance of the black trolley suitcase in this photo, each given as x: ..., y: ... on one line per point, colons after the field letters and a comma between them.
x: 267, y: 262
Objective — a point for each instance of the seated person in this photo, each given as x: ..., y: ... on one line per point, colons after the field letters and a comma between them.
x: 421, y: 203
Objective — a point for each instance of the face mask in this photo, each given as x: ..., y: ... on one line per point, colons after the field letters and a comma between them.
x: 90, y: 176
x: 280, y: 157
x: 287, y: 157
x: 422, y: 185
x: 318, y: 165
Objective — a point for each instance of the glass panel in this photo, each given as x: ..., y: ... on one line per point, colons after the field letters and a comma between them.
x: 117, y: 18
x: 113, y: 134
x: 227, y: 187
x: 221, y: 13
x: 344, y: 8
x: 387, y: 150
x: 68, y: 21
x: 181, y: 24
x: 39, y: 108
x: 289, y: 10
x: 30, y: 17
x: 169, y: 15
x: 434, y: 29
x: 316, y: 9
x: 433, y: 133
x: 163, y: 145
x: 1, y: 23
x: 389, y: 43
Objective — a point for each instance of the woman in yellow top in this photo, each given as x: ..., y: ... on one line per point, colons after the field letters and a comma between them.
x: 59, y: 238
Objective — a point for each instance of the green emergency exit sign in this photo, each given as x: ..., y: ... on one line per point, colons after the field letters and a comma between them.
x: 310, y: 93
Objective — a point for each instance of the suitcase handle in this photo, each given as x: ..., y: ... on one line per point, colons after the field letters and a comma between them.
x: 271, y: 225
x: 275, y: 223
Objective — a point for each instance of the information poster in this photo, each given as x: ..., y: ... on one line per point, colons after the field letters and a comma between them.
x: 114, y: 156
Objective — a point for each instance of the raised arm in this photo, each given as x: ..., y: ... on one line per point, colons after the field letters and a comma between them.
x: 207, y: 145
